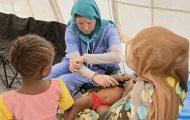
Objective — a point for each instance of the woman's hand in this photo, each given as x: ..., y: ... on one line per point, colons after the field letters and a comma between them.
x: 104, y: 80
x: 76, y: 63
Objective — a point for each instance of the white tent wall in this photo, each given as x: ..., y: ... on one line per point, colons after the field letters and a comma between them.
x: 66, y: 6
x: 135, y: 15
x: 105, y: 9
x: 6, y: 6
x: 131, y: 16
x: 25, y: 11
x: 39, y: 9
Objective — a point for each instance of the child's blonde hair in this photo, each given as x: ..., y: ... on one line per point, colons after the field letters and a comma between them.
x: 31, y: 52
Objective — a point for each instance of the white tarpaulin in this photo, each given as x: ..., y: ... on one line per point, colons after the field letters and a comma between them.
x: 130, y: 16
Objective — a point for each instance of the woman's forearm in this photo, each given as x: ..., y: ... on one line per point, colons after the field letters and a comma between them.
x: 112, y: 57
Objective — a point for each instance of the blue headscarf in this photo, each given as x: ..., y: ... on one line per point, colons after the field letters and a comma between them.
x: 90, y: 10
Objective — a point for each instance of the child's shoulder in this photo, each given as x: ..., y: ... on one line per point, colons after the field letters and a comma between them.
x: 8, y: 94
x: 58, y: 82
x: 5, y: 114
x: 7, y: 97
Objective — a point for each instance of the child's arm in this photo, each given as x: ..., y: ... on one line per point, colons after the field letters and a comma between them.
x: 128, y: 86
x: 79, y: 105
x: 121, y: 78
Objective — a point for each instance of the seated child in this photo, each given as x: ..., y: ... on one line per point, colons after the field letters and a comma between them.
x: 101, y: 100
x: 36, y: 99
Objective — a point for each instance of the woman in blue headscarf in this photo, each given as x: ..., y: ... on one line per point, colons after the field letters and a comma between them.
x: 92, y: 45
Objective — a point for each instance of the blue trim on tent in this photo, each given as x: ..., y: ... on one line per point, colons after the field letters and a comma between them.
x: 185, y: 113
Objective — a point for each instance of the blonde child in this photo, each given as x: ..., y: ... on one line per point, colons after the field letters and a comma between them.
x: 35, y: 99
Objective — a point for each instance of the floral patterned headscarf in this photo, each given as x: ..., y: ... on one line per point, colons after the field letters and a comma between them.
x: 160, y: 57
